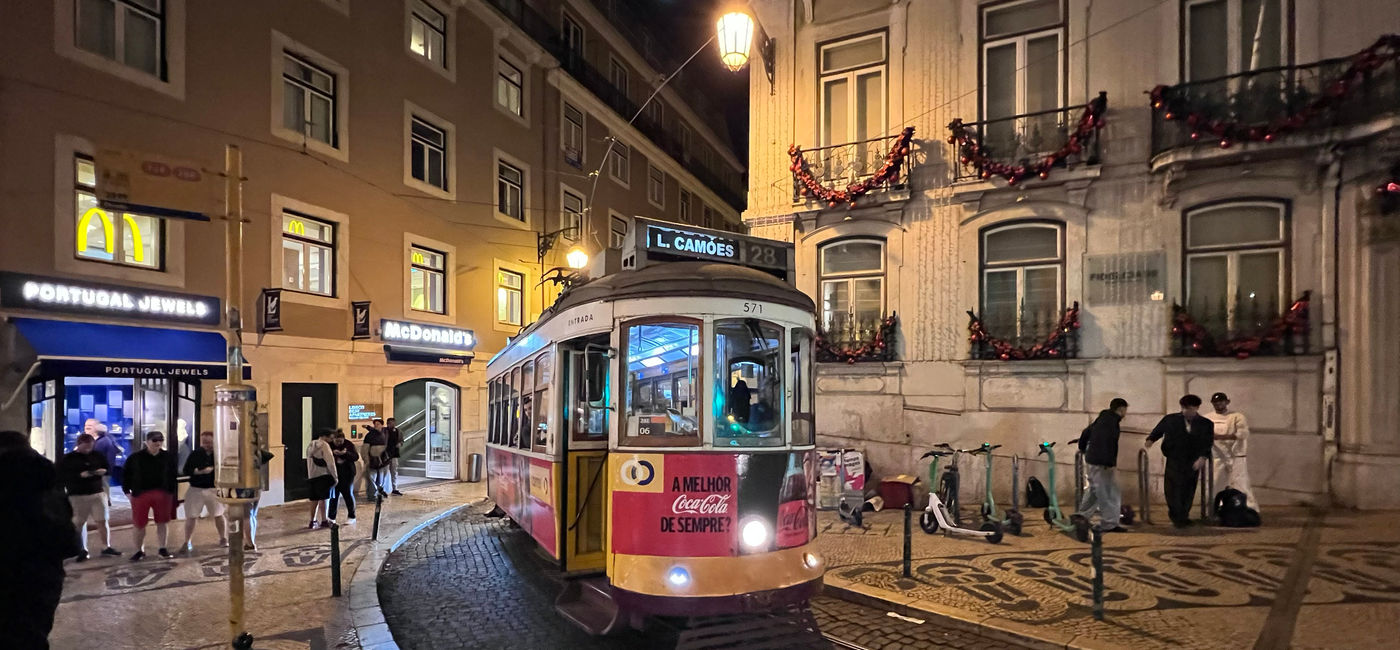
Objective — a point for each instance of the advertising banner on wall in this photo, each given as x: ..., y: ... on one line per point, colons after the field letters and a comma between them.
x: 146, y: 183
x: 271, y: 311
x: 359, y: 315
x: 1125, y: 278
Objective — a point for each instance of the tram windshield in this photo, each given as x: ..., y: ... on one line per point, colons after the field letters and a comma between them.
x: 663, y: 360
x: 749, y: 359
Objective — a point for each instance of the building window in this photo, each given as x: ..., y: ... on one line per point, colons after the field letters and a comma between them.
x: 308, y: 254
x: 685, y: 207
x: 617, y: 73
x: 571, y: 135
x: 656, y: 186
x: 1227, y: 37
x: 1022, y: 275
x: 127, y: 239
x: 853, y: 285
x: 427, y: 287
x: 709, y: 220
x: 571, y: 217
x: 308, y: 100
x: 572, y: 33
x: 1235, y: 256
x: 685, y: 141
x: 1022, y: 67
x: 510, y: 191
x: 510, y: 297
x: 509, y: 87
x: 428, y: 33
x: 428, y: 153
x: 656, y: 112
x: 130, y: 32
x: 852, y: 89
x: 620, y: 163
x: 618, y: 232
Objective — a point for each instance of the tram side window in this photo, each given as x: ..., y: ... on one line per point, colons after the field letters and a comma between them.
x: 590, y: 382
x: 803, y: 410
x: 749, y: 361
x: 493, y: 420
x: 544, y: 371
x: 527, y: 405
x: 514, y: 407
x: 663, y: 361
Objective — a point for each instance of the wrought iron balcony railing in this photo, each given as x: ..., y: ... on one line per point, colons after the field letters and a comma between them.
x: 1261, y: 102
x: 1027, y: 139
x: 841, y: 165
x: 845, y: 338
x: 1240, y: 328
x: 1025, y: 334
x: 543, y: 32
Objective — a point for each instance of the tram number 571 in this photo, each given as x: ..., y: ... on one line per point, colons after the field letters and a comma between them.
x: 753, y: 308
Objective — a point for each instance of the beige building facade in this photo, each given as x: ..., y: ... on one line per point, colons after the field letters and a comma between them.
x: 429, y: 158
x: 1249, y: 182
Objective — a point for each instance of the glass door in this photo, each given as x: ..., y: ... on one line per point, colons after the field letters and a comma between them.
x: 441, y: 420
x: 43, y: 418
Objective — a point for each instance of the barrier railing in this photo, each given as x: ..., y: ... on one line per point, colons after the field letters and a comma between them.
x: 1208, y: 490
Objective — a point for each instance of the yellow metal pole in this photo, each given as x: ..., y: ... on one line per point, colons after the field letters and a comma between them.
x: 234, y: 399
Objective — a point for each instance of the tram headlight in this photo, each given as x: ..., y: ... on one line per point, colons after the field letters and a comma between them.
x: 812, y: 561
x: 755, y: 534
x: 678, y: 577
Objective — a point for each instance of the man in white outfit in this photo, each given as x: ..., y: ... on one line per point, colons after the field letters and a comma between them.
x: 1231, y: 448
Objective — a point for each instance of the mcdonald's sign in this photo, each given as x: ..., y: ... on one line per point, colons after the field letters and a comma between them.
x: 294, y: 227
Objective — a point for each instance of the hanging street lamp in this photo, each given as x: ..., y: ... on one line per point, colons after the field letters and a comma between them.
x: 735, y: 35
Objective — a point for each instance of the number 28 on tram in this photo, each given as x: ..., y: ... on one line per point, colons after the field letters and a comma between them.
x: 653, y: 431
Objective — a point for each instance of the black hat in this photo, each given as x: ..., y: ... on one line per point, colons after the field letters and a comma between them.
x: 1219, y: 397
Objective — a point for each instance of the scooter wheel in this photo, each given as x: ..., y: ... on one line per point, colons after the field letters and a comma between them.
x: 995, y: 529
x: 928, y: 522
x: 1049, y: 518
x: 1014, y: 520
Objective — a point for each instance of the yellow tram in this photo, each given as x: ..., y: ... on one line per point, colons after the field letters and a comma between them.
x: 653, y: 431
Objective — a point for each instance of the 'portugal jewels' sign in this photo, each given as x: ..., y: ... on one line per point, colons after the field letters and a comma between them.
x: 20, y: 291
x: 424, y: 335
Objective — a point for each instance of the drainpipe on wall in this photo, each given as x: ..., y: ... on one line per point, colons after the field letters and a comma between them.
x: 1330, y: 249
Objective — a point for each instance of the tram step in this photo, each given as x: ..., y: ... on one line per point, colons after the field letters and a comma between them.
x: 589, y: 604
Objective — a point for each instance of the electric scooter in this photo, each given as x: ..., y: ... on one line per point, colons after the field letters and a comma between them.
x: 1079, y: 526
x: 936, y: 515
x: 1014, y: 519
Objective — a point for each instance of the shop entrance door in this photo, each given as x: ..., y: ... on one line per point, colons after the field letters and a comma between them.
x: 306, y: 408
x: 441, y: 416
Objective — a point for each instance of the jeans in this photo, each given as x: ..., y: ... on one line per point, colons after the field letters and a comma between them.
x: 344, y: 490
x: 1103, y: 494
x: 1179, y: 485
x: 394, y: 473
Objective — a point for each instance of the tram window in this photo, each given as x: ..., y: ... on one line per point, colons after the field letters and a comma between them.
x: 749, y: 362
x: 663, y: 360
x: 514, y: 407
x: 544, y: 371
x: 590, y: 413
x: 492, y: 419
x: 527, y: 405
x: 803, y: 418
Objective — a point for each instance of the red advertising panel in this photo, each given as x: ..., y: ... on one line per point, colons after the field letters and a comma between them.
x: 542, y: 526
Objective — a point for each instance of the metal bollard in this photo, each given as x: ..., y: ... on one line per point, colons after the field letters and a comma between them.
x: 1098, y: 572
x: 1144, y: 485
x: 335, y: 560
x: 908, y: 536
x: 378, y: 505
x: 1080, y: 478
x: 1208, y: 490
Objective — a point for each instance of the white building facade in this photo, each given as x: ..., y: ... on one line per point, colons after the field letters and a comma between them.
x: 1228, y: 232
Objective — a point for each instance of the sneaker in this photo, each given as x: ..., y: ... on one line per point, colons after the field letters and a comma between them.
x: 326, y: 523
x: 187, y: 549
x: 249, y: 546
x: 82, y: 556
x: 223, y: 543
x: 312, y: 525
x: 111, y: 552
x: 164, y: 553
x: 138, y: 556
x: 1115, y: 529
x: 350, y: 521
x: 396, y: 493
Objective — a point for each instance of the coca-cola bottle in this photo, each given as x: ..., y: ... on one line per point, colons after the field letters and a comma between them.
x: 792, y: 505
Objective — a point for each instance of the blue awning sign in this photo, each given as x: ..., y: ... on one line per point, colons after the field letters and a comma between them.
x: 69, y: 349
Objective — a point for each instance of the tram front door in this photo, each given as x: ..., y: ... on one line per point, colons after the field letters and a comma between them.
x: 586, y: 452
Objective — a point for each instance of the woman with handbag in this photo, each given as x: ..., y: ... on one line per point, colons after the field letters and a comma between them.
x: 320, y: 476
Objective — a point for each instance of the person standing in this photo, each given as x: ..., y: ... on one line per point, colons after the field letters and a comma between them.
x: 1187, y: 446
x: 83, y: 473
x: 1099, y: 443
x: 38, y: 535
x: 111, y: 450
x: 1231, y: 448
x: 376, y: 444
x: 394, y: 440
x: 345, y: 459
x: 320, y: 476
x: 199, y: 466
x: 149, y: 480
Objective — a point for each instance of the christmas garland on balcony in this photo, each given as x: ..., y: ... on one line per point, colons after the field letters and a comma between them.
x: 1187, y: 331
x: 1388, y: 192
x: 973, y: 154
x: 1053, y: 347
x: 1335, y: 92
x: 880, y: 348
x: 888, y: 173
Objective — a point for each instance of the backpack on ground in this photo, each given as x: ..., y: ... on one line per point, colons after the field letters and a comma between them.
x: 1126, y: 514
x: 1036, y: 496
x: 1233, y: 509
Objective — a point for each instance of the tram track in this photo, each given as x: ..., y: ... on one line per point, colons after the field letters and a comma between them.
x: 842, y: 643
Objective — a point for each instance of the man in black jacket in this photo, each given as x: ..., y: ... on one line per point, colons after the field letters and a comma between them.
x: 36, y: 535
x: 201, y: 496
x: 1099, y: 442
x: 149, y: 481
x: 394, y: 440
x: 83, y: 472
x: 1187, y: 446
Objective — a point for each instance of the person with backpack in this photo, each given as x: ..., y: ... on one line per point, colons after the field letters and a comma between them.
x: 321, y: 476
x: 38, y: 535
x: 394, y: 440
x: 1099, y: 444
x: 1231, y: 447
x: 149, y: 481
x: 83, y: 473
x: 1187, y: 447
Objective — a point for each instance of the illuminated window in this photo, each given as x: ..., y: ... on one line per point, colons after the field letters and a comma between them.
x: 661, y: 397
x: 308, y: 254
x: 656, y: 186
x: 1022, y: 267
x: 308, y: 100
x: 510, y: 297
x: 129, y: 32
x: 749, y: 361
x: 427, y: 287
x: 509, y: 87
x: 428, y: 32
x: 125, y: 238
x: 510, y: 191
x: 1226, y: 37
x: 428, y: 153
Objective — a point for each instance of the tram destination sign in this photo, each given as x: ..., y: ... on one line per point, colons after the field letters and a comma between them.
x: 680, y: 243
x: 23, y: 291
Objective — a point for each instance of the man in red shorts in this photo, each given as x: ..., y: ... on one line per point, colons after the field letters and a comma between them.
x: 149, y: 481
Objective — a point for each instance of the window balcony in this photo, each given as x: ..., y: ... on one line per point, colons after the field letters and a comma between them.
x: 1270, y: 103
x: 1022, y: 145
x: 840, y: 166
x: 1242, y: 329
x: 852, y: 340
x: 1024, y: 334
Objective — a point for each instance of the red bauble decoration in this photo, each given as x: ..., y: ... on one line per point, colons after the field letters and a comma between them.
x: 1225, y: 143
x: 1195, y: 135
x: 1268, y: 137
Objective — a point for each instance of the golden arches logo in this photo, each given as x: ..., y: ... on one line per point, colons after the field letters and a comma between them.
x: 296, y: 227
x: 109, y: 240
x: 418, y: 258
